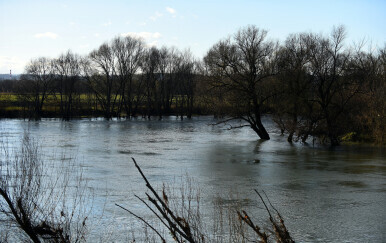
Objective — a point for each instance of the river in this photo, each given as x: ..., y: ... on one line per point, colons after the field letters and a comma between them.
x: 325, y: 194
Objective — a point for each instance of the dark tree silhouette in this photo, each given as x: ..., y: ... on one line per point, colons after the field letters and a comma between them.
x: 36, y: 84
x: 128, y: 52
x: 239, y: 66
x: 103, y: 78
x: 294, y: 79
x: 67, y: 70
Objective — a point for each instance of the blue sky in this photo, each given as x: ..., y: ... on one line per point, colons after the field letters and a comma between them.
x: 34, y: 28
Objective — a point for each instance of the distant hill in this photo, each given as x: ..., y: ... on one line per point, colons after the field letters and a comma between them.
x: 6, y: 76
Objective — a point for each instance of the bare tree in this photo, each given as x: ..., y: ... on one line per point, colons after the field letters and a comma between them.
x: 239, y: 66
x: 129, y: 52
x: 103, y: 79
x: 368, y: 111
x: 68, y: 69
x: 187, y: 70
x: 151, y: 75
x: 166, y: 81
x: 36, y: 84
x: 331, y: 90
x: 294, y: 78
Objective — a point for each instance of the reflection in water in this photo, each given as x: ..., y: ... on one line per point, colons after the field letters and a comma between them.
x: 327, y: 195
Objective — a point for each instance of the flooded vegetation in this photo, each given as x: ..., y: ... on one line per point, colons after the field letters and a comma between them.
x: 312, y: 85
x: 71, y: 126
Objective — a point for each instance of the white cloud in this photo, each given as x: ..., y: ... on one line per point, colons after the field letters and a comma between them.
x: 46, y: 35
x: 72, y: 23
x: 156, y: 16
x: 107, y: 23
x: 96, y: 34
x: 171, y: 10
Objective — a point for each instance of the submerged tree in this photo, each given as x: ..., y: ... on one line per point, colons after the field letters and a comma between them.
x: 167, y: 68
x: 110, y: 73
x: 128, y: 53
x: 331, y: 89
x: 240, y: 66
x: 102, y: 77
x: 187, y: 70
x: 313, y: 85
x: 323, y: 86
x: 67, y: 72
x: 368, y: 111
x: 150, y: 77
x: 291, y: 105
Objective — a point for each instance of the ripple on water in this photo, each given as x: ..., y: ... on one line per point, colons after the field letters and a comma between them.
x: 355, y: 184
x: 326, y: 195
x: 125, y: 152
x: 149, y: 153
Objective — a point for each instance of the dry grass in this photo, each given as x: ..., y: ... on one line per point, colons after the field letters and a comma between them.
x: 41, y: 201
x: 178, y: 213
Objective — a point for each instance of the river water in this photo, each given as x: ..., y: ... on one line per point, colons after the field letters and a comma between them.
x: 324, y: 194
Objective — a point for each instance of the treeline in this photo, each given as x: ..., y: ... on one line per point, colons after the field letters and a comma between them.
x: 312, y: 84
x: 120, y: 78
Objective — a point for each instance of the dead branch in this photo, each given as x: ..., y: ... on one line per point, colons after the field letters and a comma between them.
x: 177, y: 226
x: 143, y: 220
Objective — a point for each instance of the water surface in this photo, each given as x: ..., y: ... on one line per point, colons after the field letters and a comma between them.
x: 325, y: 195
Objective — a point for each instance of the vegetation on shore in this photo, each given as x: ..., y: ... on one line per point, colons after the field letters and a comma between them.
x: 312, y: 85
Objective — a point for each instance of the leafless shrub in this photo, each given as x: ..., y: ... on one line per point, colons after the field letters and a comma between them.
x: 41, y: 201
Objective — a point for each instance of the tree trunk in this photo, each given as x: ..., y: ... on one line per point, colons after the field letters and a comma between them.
x: 260, y: 131
x: 290, y: 137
